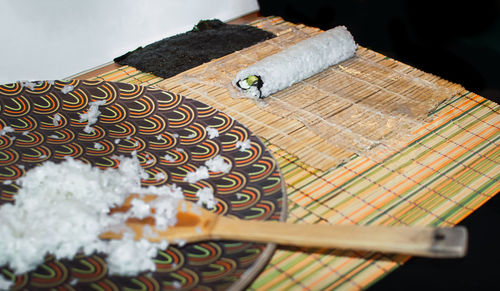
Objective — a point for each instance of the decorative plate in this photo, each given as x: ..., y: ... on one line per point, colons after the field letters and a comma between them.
x: 153, y: 123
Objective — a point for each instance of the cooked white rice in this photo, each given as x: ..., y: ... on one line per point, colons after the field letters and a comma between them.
x: 92, y: 115
x: 5, y: 130
x: 62, y: 208
x: 98, y: 145
x: 218, y: 164
x: 27, y: 84
x: 55, y: 119
x: 206, y: 197
x: 243, y: 145
x: 160, y: 176
x: 5, y: 284
x: 67, y: 88
x: 199, y: 174
x: 212, y: 132
x: 169, y: 158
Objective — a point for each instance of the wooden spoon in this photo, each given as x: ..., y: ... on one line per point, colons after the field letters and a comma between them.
x: 197, y: 224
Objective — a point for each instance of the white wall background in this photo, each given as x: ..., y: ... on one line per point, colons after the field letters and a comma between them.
x: 53, y: 39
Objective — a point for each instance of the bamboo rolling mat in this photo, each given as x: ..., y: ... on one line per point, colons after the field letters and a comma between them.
x: 383, y: 144
x: 367, y: 105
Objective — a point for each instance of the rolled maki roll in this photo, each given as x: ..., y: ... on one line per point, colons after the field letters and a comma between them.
x: 296, y: 63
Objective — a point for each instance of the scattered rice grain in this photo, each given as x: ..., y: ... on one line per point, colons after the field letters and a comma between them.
x: 212, y: 132
x: 5, y: 130
x: 243, y: 145
x: 200, y: 174
x: 218, y: 164
x: 67, y: 88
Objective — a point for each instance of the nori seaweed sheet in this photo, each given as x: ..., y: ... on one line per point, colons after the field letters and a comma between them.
x: 209, y: 39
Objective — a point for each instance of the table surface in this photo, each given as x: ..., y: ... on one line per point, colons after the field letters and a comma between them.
x: 467, y: 112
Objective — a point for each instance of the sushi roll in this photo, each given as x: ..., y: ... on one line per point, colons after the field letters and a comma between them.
x: 296, y: 63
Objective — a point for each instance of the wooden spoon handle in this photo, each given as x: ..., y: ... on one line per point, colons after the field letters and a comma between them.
x: 420, y: 241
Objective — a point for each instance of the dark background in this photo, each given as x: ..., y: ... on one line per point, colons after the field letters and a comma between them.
x: 456, y: 40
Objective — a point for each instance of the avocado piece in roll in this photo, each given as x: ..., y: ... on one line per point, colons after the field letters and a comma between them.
x: 296, y: 63
x: 252, y: 85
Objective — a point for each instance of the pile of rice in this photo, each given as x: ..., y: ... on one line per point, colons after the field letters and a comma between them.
x: 62, y: 208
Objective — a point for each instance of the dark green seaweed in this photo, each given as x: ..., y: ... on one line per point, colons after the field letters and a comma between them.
x: 209, y: 39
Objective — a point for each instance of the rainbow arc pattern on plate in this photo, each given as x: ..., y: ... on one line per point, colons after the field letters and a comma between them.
x: 150, y: 123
